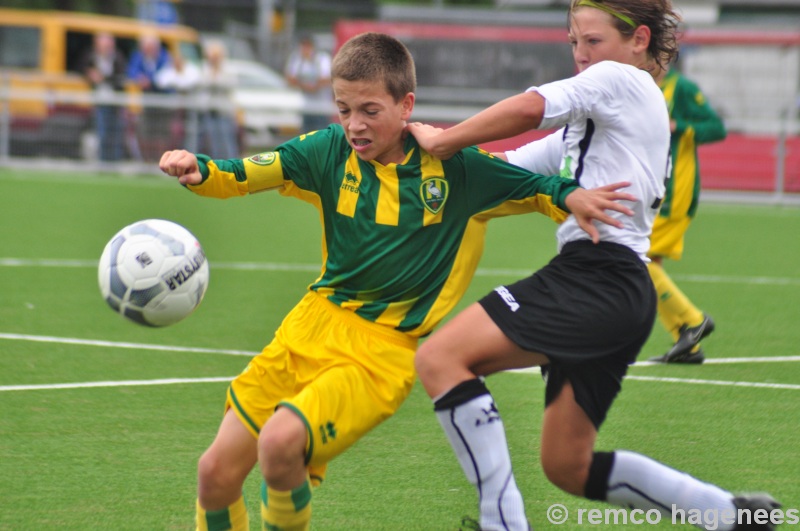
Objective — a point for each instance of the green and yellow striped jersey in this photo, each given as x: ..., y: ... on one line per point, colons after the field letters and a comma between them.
x: 695, y: 123
x: 400, y: 242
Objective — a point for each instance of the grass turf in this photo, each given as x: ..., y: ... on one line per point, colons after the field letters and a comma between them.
x: 123, y: 456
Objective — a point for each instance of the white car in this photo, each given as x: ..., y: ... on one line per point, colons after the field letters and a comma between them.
x: 269, y: 110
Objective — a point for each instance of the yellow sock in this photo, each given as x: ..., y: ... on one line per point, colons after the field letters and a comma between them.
x: 233, y: 518
x: 286, y: 510
x: 674, y: 307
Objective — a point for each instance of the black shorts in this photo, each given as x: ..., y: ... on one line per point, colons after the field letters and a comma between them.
x: 590, y: 311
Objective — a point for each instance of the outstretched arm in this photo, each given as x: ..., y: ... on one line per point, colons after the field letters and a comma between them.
x: 589, y: 205
x: 507, y: 118
x: 183, y: 165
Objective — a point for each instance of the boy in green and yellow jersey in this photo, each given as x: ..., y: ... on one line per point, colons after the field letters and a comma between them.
x: 402, y: 236
x: 692, y: 122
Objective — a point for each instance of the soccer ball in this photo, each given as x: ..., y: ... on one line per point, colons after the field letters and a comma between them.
x: 153, y: 272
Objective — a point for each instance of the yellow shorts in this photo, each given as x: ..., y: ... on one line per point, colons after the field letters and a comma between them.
x: 667, y: 237
x: 341, y: 374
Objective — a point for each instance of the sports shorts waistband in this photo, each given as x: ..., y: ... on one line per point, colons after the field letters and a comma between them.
x: 395, y: 336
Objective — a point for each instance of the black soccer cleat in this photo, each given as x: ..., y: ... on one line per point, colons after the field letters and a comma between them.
x: 695, y: 358
x: 746, y: 507
x: 688, y: 338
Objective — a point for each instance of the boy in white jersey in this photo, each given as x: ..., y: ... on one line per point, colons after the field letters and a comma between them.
x: 585, y: 316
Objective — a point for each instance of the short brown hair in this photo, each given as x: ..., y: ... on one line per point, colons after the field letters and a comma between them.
x: 377, y: 57
x: 657, y: 15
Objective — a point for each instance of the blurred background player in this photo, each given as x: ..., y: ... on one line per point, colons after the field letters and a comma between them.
x: 692, y: 122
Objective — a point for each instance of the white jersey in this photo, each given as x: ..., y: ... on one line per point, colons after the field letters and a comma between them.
x: 614, y: 127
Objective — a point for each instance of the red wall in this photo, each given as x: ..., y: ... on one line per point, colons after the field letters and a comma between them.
x: 740, y: 162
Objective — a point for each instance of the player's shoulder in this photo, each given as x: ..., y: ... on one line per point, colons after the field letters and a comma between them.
x: 621, y: 81
x: 612, y: 70
x: 333, y: 135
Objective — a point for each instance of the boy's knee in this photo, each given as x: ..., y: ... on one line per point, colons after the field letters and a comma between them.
x: 215, y: 481
x: 567, y: 473
x: 282, y: 446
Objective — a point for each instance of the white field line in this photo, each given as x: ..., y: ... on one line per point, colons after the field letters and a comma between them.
x: 700, y: 381
x: 697, y: 381
x: 482, y: 272
x: 171, y: 381
x: 117, y: 344
x: 122, y: 383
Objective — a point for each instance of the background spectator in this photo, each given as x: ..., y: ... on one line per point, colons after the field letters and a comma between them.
x: 218, y: 117
x: 104, y: 67
x: 153, y: 132
x: 182, y: 77
x: 146, y: 61
x: 309, y: 69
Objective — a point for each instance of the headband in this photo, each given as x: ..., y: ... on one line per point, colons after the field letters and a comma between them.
x: 602, y: 7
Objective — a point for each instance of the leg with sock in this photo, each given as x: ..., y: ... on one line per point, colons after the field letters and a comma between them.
x: 286, y: 491
x: 683, y: 320
x: 673, y: 304
x: 286, y: 510
x: 631, y: 480
x: 475, y: 431
x: 221, y: 473
x: 232, y: 518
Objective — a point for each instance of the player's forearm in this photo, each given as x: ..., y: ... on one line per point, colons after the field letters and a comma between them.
x: 505, y: 119
x: 221, y: 178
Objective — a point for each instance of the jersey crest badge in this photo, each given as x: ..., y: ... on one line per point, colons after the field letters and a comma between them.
x: 263, y: 159
x: 434, y: 191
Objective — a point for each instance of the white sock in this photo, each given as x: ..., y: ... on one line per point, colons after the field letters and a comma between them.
x: 476, y: 434
x: 639, y: 482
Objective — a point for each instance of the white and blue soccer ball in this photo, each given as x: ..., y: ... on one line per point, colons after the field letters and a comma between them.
x: 153, y: 272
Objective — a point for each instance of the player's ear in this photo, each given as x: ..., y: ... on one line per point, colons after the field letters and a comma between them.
x: 641, y: 38
x: 407, y: 105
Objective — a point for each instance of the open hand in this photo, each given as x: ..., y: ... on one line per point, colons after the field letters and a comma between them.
x: 426, y: 138
x: 588, y: 205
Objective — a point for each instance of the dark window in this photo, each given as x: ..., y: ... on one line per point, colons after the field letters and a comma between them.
x: 20, y: 47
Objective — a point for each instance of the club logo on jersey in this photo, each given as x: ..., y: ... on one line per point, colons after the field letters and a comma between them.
x: 434, y: 191
x: 263, y: 159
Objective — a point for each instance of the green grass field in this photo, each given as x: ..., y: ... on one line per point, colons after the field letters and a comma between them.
x: 103, y: 421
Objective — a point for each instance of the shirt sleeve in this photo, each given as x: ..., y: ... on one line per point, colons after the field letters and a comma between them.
x: 692, y: 110
x: 497, y: 188
x: 237, y: 177
x: 541, y: 156
x: 580, y: 97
